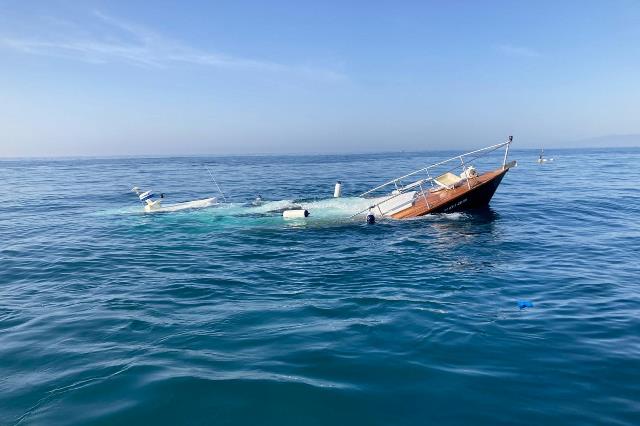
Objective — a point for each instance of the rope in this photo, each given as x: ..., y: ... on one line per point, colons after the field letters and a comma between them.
x: 216, y: 182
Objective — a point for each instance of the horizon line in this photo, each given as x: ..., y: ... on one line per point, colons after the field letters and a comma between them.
x: 284, y: 154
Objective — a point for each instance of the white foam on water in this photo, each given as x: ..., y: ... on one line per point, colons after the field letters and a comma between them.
x: 271, y: 206
x: 197, y: 204
x: 337, y: 207
x: 454, y: 216
x: 329, y: 210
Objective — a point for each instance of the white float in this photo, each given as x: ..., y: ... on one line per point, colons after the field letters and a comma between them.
x: 337, y: 191
x: 295, y: 214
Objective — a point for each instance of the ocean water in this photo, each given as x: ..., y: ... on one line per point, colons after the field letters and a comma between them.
x: 232, y: 315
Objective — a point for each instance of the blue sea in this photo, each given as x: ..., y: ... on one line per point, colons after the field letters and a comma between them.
x: 233, y: 315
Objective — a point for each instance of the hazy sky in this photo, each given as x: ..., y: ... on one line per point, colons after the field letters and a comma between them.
x: 132, y: 77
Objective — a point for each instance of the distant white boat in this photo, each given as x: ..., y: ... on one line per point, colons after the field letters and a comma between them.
x: 154, y: 205
x: 541, y: 158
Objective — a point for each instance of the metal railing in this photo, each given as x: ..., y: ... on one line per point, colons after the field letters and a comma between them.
x: 402, y: 189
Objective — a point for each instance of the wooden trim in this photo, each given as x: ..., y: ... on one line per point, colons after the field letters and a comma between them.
x: 428, y: 201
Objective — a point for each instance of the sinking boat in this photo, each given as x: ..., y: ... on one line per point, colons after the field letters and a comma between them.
x: 443, y: 193
x: 154, y: 205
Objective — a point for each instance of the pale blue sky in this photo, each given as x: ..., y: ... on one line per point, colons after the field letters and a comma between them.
x: 121, y: 77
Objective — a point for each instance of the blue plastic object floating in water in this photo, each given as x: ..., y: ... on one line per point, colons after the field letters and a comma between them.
x: 525, y: 304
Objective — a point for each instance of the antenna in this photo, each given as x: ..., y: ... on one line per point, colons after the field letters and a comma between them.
x: 216, y: 182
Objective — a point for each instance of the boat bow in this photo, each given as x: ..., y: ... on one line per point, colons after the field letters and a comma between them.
x: 444, y: 193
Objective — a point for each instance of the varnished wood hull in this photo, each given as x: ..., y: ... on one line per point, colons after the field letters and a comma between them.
x: 476, y: 193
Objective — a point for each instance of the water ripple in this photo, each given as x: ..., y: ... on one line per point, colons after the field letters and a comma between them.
x: 233, y: 315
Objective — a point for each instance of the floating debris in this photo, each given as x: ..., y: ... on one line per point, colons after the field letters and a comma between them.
x: 522, y: 304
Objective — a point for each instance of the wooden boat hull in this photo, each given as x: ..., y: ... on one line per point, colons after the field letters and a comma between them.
x: 474, y: 193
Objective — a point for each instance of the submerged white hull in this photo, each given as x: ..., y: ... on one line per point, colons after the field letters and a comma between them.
x: 195, y: 204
